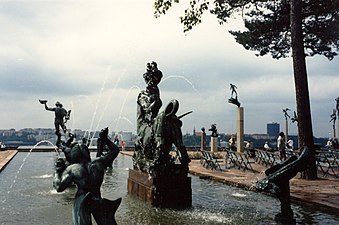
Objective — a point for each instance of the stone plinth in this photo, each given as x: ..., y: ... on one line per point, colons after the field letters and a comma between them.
x: 240, y: 129
x: 214, y: 144
x: 203, y: 141
x: 163, y: 192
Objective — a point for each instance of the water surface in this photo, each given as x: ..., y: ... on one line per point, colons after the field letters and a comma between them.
x: 27, y: 197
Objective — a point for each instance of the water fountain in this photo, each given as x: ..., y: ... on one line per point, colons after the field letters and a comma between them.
x: 33, y: 200
x: 156, y: 177
x: 27, y: 197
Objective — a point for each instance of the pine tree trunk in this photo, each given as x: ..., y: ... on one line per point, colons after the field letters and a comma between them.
x: 305, y: 133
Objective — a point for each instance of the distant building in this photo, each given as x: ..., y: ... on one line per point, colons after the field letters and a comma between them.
x: 126, y: 138
x: 260, y: 136
x: 273, y: 129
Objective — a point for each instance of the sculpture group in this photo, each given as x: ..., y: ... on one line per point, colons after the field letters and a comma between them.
x: 160, y: 160
x: 78, y: 168
x: 157, y: 132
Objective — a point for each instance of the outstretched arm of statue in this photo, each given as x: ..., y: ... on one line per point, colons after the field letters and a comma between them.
x: 49, y: 109
x: 113, y: 152
x: 100, y: 147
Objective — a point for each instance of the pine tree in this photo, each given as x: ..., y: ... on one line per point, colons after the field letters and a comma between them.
x: 307, y: 27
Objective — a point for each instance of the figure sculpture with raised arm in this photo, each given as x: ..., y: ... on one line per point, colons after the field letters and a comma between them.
x: 61, y: 118
x: 88, y: 176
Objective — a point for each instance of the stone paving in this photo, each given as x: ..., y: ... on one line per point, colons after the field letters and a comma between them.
x: 322, y: 192
x: 6, y: 157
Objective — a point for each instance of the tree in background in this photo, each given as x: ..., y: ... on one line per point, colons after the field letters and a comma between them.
x: 307, y: 27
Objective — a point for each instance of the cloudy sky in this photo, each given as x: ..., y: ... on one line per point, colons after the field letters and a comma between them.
x: 91, y: 56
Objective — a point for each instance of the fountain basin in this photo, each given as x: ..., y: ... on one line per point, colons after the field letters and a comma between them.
x: 27, y: 197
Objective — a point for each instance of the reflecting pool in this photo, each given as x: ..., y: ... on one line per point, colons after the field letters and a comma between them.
x: 27, y: 197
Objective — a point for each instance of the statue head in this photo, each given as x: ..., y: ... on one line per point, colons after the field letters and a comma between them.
x: 58, y: 104
x: 60, y: 165
x: 153, y: 75
x: 104, y: 133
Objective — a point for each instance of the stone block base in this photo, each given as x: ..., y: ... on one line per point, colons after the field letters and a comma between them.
x: 163, y: 192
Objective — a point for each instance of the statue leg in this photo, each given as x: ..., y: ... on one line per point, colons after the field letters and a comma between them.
x: 57, y: 128
x: 63, y: 126
x: 58, y: 142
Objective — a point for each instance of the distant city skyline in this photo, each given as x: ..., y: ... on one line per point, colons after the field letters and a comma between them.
x: 93, y: 61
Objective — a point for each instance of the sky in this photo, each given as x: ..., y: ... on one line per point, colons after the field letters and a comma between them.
x: 91, y: 55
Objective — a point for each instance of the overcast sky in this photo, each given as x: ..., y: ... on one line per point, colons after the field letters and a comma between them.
x: 91, y: 55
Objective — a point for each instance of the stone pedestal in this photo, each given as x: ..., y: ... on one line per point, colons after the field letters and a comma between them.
x: 214, y: 144
x: 240, y: 129
x: 286, y: 131
x: 203, y: 141
x: 163, y: 192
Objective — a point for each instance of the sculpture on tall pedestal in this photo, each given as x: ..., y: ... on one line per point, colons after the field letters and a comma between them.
x: 214, y: 130
x: 240, y: 118
x: 157, y: 133
x: 285, y: 111
x: 88, y: 176
x: 232, y: 99
x: 214, y: 138
x: 277, y: 182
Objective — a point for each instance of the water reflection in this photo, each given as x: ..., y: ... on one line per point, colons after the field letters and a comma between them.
x: 31, y: 199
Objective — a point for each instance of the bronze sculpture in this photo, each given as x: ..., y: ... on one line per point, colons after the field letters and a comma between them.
x: 75, y: 152
x: 277, y: 182
x: 234, y: 100
x: 160, y: 160
x: 333, y: 117
x: 285, y: 111
x: 158, y: 131
x: 294, y: 119
x: 88, y: 176
x: 61, y: 118
x: 214, y: 130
